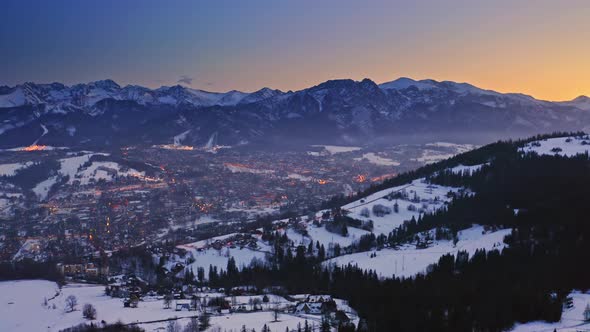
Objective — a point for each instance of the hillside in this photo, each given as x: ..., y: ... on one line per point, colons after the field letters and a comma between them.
x: 509, y: 240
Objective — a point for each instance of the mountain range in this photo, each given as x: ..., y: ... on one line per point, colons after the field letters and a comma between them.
x: 102, y: 113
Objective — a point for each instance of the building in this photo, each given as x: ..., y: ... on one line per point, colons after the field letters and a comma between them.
x: 185, y: 305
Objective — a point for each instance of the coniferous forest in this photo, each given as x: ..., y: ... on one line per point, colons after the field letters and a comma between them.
x: 490, y: 291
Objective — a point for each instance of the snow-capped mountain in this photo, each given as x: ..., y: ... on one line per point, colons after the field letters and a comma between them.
x: 56, y: 95
x: 104, y: 113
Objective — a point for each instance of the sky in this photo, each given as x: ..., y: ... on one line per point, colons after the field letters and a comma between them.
x: 536, y: 47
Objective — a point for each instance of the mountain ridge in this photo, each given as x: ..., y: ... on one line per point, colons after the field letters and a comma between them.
x: 342, y: 111
x: 398, y: 84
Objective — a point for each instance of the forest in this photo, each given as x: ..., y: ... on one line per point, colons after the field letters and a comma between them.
x: 544, y: 199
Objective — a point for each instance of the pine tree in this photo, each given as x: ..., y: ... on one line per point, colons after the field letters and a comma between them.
x: 204, y: 321
x: 325, y: 325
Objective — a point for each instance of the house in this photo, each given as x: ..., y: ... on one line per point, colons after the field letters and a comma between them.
x: 316, y: 305
x: 131, y: 302
x: 88, y: 270
x: 318, y: 298
x: 185, y: 305
x: 309, y: 308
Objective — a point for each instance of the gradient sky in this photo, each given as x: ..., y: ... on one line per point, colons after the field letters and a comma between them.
x: 536, y: 47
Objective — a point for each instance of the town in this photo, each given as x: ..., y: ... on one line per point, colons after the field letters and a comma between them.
x: 57, y: 204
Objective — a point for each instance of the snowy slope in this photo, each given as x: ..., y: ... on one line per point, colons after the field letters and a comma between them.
x: 563, y: 146
x: 409, y: 261
x: 572, y: 320
x: 204, y: 255
x: 431, y: 197
x: 376, y: 159
x: 98, y: 170
x: 323, y: 236
x: 11, y: 169
x: 13, y: 99
x: 465, y: 169
x: 72, y: 168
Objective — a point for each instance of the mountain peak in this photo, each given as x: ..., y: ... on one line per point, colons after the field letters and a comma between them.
x: 581, y: 98
x: 405, y: 82
x: 105, y: 84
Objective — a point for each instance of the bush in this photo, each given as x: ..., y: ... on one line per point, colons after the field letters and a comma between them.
x: 71, y: 303
x: 380, y: 210
x: 89, y: 312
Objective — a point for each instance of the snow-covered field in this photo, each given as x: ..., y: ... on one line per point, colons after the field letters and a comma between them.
x: 237, y: 168
x: 334, y: 149
x: 42, y: 188
x: 430, y: 156
x: 323, y: 236
x: 11, y: 169
x: 22, y: 309
x: 206, y: 256
x: 98, y: 170
x: 72, y: 167
x: 459, y: 148
x: 432, y: 197
x: 409, y: 261
x: 563, y: 146
x: 377, y: 159
x: 219, y: 258
x: 572, y: 320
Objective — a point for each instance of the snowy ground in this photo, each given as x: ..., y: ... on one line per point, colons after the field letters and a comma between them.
x: 572, y: 320
x: 334, y: 149
x: 466, y: 169
x: 430, y: 156
x: 563, y: 146
x: 11, y: 169
x: 22, y: 300
x: 432, y: 197
x: 71, y: 167
x: 257, y: 320
x: 237, y: 168
x: 323, y: 236
x: 219, y: 258
x: 22, y: 310
x: 42, y: 188
x: 409, y: 261
x: 377, y: 159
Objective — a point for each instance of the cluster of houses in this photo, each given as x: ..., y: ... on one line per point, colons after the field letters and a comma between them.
x: 83, y: 270
x: 321, y: 305
x: 132, y: 290
x: 241, y: 240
